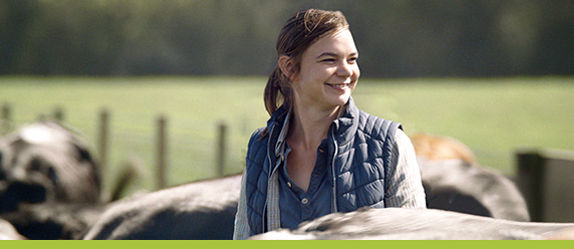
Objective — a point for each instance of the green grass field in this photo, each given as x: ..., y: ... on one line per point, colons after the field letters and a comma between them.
x: 494, y: 117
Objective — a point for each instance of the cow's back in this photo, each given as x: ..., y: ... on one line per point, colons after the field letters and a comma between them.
x: 455, y: 185
x: 419, y: 224
x: 200, y: 210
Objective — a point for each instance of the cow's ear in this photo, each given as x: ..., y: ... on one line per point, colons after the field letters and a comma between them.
x: 83, y: 153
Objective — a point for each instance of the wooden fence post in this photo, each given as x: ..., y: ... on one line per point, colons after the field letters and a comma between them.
x: 161, y: 151
x: 220, y: 154
x: 5, y: 118
x: 59, y: 113
x: 545, y: 178
x: 6, y: 111
x: 103, y: 140
x: 529, y: 175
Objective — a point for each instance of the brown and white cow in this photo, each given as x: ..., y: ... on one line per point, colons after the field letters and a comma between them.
x: 438, y: 148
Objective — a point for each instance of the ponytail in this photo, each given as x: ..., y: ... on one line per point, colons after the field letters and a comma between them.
x: 277, y: 91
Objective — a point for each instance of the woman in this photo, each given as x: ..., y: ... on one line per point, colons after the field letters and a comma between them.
x: 319, y: 154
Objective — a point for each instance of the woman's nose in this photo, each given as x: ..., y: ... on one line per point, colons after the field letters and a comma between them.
x: 345, y: 69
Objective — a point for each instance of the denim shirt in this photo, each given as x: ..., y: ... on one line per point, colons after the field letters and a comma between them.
x: 297, y: 205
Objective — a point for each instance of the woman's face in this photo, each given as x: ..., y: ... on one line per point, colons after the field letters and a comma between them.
x: 328, y: 71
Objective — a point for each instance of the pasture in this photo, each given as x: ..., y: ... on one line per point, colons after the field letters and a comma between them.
x: 492, y: 116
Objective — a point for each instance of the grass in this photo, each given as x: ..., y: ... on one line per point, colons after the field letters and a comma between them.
x: 493, y: 117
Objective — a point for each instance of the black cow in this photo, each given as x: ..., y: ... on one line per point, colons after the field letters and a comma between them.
x: 54, y: 220
x: 46, y: 175
x: 454, y: 181
x: 418, y: 224
x: 457, y: 186
x: 199, y: 210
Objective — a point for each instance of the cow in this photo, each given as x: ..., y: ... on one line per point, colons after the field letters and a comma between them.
x: 417, y: 224
x: 437, y: 148
x: 454, y: 181
x: 456, y: 186
x: 199, y: 210
x: 49, y: 221
x: 47, y: 162
x: 47, y: 174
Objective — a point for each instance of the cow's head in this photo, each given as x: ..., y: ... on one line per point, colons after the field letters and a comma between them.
x: 46, y: 162
x: 441, y: 148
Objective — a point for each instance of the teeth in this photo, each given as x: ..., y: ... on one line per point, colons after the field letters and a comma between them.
x: 339, y: 85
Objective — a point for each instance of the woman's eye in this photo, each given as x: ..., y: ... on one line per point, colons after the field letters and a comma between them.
x: 353, y: 59
x: 329, y: 60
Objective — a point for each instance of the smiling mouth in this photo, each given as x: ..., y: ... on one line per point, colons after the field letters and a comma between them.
x: 338, y: 85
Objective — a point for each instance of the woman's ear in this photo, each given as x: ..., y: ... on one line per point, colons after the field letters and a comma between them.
x: 287, y: 66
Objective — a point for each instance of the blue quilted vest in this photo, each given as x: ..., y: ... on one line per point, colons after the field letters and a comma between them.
x: 360, y: 149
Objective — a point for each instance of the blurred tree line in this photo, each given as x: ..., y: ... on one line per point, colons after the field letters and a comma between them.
x: 406, y: 38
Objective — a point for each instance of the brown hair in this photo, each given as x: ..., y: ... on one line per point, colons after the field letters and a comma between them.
x: 298, y: 33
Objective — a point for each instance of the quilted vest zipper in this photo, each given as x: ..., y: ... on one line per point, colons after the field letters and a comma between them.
x: 334, y: 187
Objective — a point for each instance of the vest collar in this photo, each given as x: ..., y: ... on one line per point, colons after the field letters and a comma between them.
x: 344, y: 126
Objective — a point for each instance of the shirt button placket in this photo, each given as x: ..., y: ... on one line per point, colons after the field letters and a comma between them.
x: 306, y: 211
